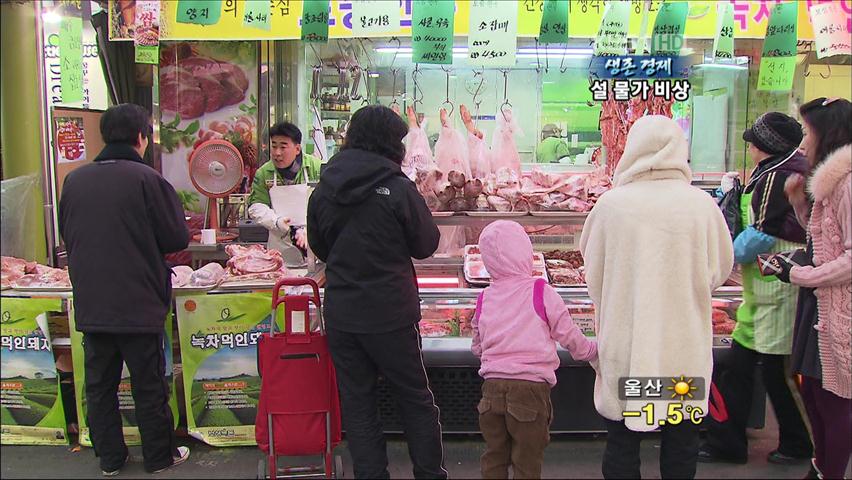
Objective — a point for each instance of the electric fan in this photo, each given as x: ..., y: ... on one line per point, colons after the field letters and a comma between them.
x: 216, y: 170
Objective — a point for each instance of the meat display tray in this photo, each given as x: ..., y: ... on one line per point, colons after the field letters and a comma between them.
x: 474, y: 213
x: 241, y: 286
x: 558, y: 214
x: 42, y: 289
x: 192, y: 290
x: 443, y: 214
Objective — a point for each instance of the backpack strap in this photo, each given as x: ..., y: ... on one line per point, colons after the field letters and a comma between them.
x: 538, y: 299
x: 478, y: 305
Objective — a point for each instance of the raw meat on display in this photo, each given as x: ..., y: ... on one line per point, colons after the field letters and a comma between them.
x: 722, y: 322
x: 45, y: 277
x: 13, y: 269
x: 504, y: 151
x: 418, y: 154
x: 435, y: 329
x: 180, y: 275
x: 208, y: 276
x: 254, y: 263
x: 451, y: 152
x: 253, y: 259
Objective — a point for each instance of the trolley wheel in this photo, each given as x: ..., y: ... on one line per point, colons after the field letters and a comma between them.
x: 338, y: 467
x: 261, y: 469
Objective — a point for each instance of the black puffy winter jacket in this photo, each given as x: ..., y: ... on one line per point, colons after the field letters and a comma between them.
x: 366, y: 220
x: 118, y: 217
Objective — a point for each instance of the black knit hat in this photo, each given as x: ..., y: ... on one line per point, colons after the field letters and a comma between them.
x: 774, y: 133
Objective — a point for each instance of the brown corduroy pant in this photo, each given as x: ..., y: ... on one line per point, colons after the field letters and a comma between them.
x: 514, y: 417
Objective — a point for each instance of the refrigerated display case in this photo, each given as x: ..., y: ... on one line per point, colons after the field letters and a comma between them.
x: 448, y: 302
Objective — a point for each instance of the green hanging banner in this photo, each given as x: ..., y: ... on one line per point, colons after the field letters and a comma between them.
x: 723, y: 42
x: 71, y: 54
x: 554, y: 22
x: 257, y: 14
x: 776, y: 74
x: 200, y: 12
x: 781, y: 33
x: 778, y: 62
x: 612, y: 34
x: 432, y: 23
x: 667, y: 37
x: 315, y: 21
x: 33, y: 413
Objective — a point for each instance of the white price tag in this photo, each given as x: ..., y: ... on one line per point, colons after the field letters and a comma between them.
x: 575, y: 140
x: 297, y: 322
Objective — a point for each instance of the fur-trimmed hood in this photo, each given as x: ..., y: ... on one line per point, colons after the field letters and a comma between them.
x: 833, y: 170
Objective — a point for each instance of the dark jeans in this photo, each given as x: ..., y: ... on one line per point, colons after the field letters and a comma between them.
x: 734, y: 377
x: 143, y: 353
x: 359, y: 360
x: 678, y: 451
x: 831, y: 422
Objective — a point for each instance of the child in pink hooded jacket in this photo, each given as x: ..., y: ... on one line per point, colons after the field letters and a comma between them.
x: 518, y: 321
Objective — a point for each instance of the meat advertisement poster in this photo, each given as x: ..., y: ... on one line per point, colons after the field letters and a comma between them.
x: 218, y: 344
x: 70, y: 139
x: 208, y: 90
x: 31, y: 400
x: 126, y: 406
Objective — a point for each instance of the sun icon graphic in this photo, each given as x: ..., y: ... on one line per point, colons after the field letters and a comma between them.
x: 682, y: 387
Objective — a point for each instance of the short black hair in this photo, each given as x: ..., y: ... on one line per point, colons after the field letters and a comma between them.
x: 124, y: 123
x: 829, y: 120
x: 286, y: 129
x: 377, y: 129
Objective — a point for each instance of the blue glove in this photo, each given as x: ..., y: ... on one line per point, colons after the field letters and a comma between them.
x: 750, y: 243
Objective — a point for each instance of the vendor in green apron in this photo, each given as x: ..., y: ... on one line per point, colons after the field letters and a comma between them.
x: 287, y: 167
x: 764, y: 331
x: 552, y: 147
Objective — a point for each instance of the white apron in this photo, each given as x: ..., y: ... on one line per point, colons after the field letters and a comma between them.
x: 290, y: 201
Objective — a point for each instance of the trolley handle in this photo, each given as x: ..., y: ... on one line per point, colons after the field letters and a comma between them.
x: 277, y: 299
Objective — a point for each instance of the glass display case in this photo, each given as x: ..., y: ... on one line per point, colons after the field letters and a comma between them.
x: 448, y: 302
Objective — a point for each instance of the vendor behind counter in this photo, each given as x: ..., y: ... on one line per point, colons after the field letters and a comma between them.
x: 281, y: 186
x: 552, y: 148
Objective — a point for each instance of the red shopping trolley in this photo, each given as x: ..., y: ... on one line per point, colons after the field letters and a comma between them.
x: 299, y: 411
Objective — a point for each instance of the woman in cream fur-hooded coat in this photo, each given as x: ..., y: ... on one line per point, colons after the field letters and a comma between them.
x: 655, y: 249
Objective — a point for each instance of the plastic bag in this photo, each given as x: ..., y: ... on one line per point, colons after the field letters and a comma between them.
x: 418, y: 155
x: 16, y: 200
x: 479, y: 156
x: 730, y: 205
x: 451, y: 152
x: 504, y: 151
x: 452, y: 241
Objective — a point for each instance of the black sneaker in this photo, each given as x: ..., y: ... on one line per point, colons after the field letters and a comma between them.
x: 707, y: 454
x: 112, y: 473
x: 779, y: 458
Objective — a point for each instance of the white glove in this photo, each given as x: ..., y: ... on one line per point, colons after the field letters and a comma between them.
x: 267, y: 218
x: 302, y: 238
x: 728, y: 181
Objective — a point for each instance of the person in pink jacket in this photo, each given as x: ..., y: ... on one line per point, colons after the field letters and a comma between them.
x: 822, y: 347
x: 518, y: 321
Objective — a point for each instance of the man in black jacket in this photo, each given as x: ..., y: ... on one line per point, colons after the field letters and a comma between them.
x: 366, y: 220
x: 118, y: 218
